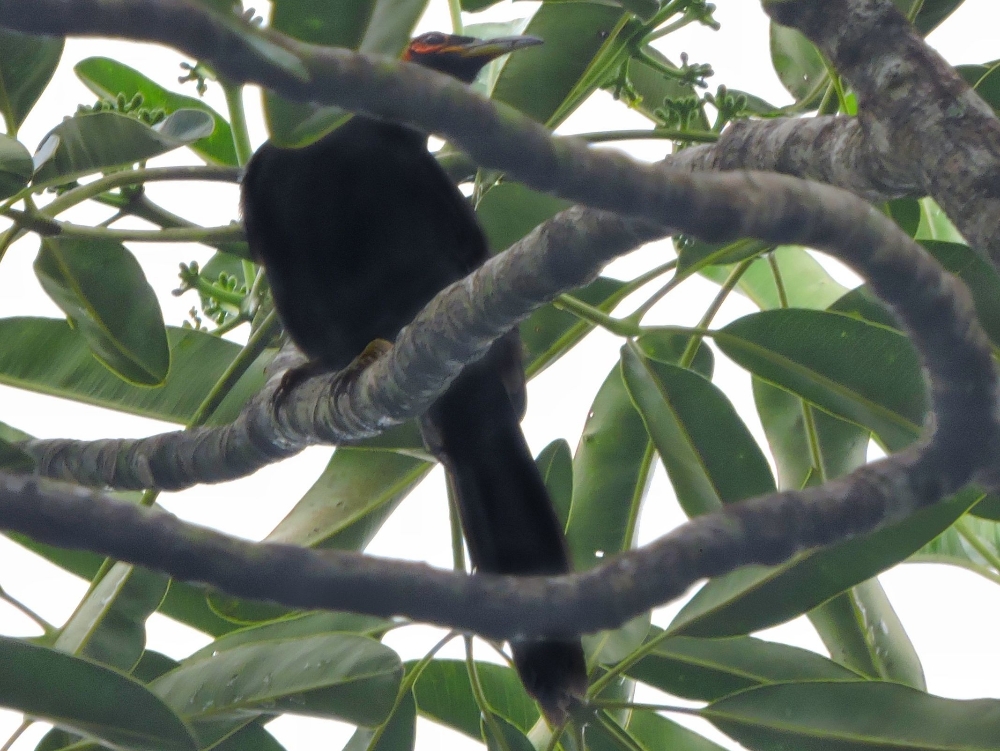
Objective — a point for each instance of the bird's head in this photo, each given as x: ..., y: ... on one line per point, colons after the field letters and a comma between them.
x: 461, y: 57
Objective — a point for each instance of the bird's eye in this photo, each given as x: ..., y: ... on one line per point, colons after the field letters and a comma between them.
x: 433, y: 39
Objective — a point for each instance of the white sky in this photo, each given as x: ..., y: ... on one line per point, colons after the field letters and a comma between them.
x: 949, y: 614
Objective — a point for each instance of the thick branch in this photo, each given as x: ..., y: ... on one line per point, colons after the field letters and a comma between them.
x: 918, y: 116
x: 831, y: 149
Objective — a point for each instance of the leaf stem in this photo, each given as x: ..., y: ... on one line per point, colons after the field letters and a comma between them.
x: 694, y: 136
x: 613, y: 672
x: 596, y: 316
x: 9, y: 743
x: 407, y: 683
x: 680, y: 23
x: 247, y: 356
x: 454, y: 520
x: 47, y: 627
x: 619, y: 733
x: 779, y: 282
x: 477, y: 692
x: 706, y: 320
x: 238, y: 121
x: 968, y: 534
x: 614, y: 704
x: 206, y: 173
x: 206, y: 235
x: 455, y: 8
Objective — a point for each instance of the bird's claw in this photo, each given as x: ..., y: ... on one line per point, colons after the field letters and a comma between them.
x: 294, y: 376
x: 376, y: 349
x: 368, y: 357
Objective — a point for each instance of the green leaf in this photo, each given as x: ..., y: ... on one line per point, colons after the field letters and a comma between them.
x: 398, y: 734
x: 104, y: 141
x: 757, y: 597
x: 864, y: 373
x: 188, y: 603
x: 669, y: 347
x: 706, y: 448
x: 47, y: 356
x: 512, y: 739
x: 694, y: 254
x: 708, y: 669
x: 152, y: 665
x: 296, y: 626
x: 980, y: 276
x: 108, y: 78
x: 862, y: 303
x: 843, y: 446
x: 985, y: 80
x: 932, y: 13
x: 27, y: 63
x: 474, y: 6
x: 906, y: 213
x: 556, y: 465
x: 973, y: 544
x: 611, y: 647
x: 861, y: 630
x: 12, y: 458
x: 971, y: 74
x: 16, y: 166
x: 57, y: 739
x: 538, y: 80
x: 109, y: 625
x: 252, y: 737
x: 988, y: 508
x: 377, y: 26
x: 611, y: 470
x: 548, y: 333
x: 806, y: 283
x: 444, y: 694
x: 185, y: 603
x: 646, y: 731
x: 242, y: 612
x: 935, y: 224
x: 103, y: 291
x: 341, y: 676
x: 654, y: 732
x: 87, y: 699
x: 349, y: 502
x: 798, y: 63
x: 855, y: 715
x: 858, y: 627
x: 508, y: 211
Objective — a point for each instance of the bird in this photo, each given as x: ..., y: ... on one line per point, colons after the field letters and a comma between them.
x: 356, y: 233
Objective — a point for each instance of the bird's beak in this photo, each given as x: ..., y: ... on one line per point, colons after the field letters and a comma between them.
x: 489, y: 49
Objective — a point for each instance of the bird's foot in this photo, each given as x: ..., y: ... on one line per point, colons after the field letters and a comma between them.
x: 369, y: 355
x: 294, y: 376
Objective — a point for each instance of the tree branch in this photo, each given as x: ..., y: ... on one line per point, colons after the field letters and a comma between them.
x: 459, y: 325
x: 919, y: 119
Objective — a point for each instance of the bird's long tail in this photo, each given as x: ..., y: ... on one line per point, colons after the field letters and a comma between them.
x: 508, y: 519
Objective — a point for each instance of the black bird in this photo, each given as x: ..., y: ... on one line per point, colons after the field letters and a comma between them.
x: 357, y: 232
